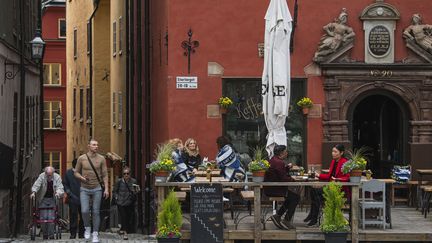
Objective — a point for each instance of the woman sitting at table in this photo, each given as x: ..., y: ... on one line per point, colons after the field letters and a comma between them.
x: 228, y: 161
x: 278, y: 172
x: 182, y: 171
x: 335, y: 174
x: 190, y: 155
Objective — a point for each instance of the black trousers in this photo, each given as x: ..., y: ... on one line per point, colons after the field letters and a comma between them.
x: 127, y: 217
x: 74, y: 213
x: 289, y: 206
x: 317, y: 199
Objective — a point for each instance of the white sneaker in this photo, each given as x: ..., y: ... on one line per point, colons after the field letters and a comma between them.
x: 87, y: 233
x: 224, y: 199
x: 95, y: 237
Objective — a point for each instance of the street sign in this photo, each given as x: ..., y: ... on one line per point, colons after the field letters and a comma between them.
x: 187, y: 82
x: 206, y: 213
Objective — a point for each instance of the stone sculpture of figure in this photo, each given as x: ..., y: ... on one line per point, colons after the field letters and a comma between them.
x: 337, y: 34
x: 420, y: 33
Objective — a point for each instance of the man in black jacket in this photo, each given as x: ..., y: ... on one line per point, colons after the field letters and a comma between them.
x: 72, y: 188
x: 278, y: 172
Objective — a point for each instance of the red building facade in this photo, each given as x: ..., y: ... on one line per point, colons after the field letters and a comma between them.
x: 54, y: 34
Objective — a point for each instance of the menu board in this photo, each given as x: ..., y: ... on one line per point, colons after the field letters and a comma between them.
x: 206, y: 213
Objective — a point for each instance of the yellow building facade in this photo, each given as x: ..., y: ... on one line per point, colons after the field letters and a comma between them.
x: 89, y: 80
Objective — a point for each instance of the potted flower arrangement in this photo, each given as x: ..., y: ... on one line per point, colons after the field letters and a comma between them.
x: 164, y: 164
x: 356, y: 165
x: 224, y: 104
x: 305, y: 103
x: 259, y: 165
x: 335, y: 226
x: 169, y: 220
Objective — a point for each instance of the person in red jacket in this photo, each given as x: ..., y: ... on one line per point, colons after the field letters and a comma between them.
x: 335, y: 174
x: 278, y: 172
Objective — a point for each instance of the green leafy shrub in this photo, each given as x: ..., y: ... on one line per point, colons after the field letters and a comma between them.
x: 259, y: 163
x: 357, y: 160
x: 305, y: 102
x: 170, y: 218
x: 334, y: 220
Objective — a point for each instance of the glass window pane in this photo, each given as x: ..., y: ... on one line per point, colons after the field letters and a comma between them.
x: 55, y: 73
x: 46, y: 69
x: 62, y: 28
x: 55, y: 156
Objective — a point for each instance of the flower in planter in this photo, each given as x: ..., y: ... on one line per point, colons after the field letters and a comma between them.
x: 225, y: 102
x: 357, y: 160
x: 166, y: 231
x: 305, y: 102
x: 164, y: 160
x: 259, y: 163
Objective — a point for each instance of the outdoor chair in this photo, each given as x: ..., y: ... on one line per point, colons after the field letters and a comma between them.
x: 373, y: 197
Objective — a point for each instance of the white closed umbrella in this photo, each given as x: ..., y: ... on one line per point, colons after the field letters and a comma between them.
x: 276, y: 72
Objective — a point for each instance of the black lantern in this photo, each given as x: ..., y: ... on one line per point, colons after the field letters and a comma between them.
x: 58, y: 120
x: 37, y: 46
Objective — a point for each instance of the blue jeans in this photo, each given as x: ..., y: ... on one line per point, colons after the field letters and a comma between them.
x: 96, y: 195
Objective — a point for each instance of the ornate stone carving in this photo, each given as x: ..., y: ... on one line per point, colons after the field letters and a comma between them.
x: 380, y: 10
x: 418, y: 37
x: 338, y: 35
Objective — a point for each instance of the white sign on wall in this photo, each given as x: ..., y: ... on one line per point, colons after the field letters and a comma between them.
x: 187, y: 82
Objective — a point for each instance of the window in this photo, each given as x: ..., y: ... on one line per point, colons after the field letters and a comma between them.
x: 81, y: 105
x: 114, y: 31
x: 53, y: 159
x: 245, y: 123
x: 120, y: 45
x: 74, y: 104
x: 88, y: 37
x: 114, y: 109
x: 62, y: 28
x: 50, y: 111
x: 75, y: 43
x: 52, y: 74
x: 120, y: 110
x: 88, y: 106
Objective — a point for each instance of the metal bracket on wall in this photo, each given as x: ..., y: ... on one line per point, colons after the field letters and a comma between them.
x: 189, y: 47
x: 10, y: 74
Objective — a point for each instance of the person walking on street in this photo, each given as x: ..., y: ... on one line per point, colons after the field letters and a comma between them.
x: 91, y: 170
x: 72, y: 188
x: 48, y: 188
x: 125, y: 195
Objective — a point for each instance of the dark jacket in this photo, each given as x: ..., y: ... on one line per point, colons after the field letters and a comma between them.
x: 277, y: 173
x: 192, y: 161
x: 72, y: 187
x: 123, y: 195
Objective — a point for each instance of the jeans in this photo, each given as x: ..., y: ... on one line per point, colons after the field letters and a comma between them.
x: 96, y: 195
x: 47, y: 214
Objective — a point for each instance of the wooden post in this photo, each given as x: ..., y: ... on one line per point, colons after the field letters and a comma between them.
x: 160, y: 197
x: 257, y: 214
x: 354, y: 214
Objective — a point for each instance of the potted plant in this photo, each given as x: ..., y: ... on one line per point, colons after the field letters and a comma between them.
x: 357, y: 163
x: 164, y: 164
x: 335, y: 226
x: 169, y: 220
x: 224, y: 104
x: 259, y: 165
x: 305, y: 103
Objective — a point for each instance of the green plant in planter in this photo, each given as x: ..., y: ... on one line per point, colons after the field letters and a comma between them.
x: 305, y: 102
x: 169, y: 218
x: 259, y: 163
x: 357, y: 160
x: 334, y: 220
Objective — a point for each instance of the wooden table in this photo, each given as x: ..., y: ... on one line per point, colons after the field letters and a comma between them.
x: 203, y: 173
x: 256, y: 186
x: 421, y: 173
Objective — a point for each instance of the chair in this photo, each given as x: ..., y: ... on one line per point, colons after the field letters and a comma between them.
x: 370, y: 200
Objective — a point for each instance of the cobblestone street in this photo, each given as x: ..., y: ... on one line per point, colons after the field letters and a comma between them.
x: 104, y: 238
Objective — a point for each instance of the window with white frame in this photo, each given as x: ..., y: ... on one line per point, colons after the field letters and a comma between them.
x: 50, y: 111
x: 53, y: 159
x: 120, y: 110
x: 114, y: 109
x: 52, y: 74
x: 114, y: 31
x: 62, y: 28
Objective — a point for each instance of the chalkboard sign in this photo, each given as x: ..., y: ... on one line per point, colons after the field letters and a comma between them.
x: 206, y: 213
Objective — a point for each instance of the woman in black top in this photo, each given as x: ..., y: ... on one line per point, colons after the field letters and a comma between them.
x: 191, y: 156
x: 125, y: 194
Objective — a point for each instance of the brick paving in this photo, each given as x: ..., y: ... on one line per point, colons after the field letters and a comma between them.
x: 104, y: 237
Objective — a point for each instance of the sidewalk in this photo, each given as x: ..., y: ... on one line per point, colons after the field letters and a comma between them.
x: 104, y: 237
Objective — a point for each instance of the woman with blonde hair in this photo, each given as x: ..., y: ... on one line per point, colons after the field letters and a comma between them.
x: 182, y: 171
x: 191, y: 156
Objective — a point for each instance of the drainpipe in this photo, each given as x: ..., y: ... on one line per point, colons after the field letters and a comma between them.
x: 127, y: 157
x: 96, y: 4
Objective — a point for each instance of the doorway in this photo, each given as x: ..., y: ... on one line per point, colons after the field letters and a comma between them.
x: 378, y: 122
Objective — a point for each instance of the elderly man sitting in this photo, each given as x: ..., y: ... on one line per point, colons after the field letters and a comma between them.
x: 48, y: 187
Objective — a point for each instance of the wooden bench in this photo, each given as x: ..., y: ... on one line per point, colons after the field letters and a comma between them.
x: 181, y: 196
x: 427, y: 196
